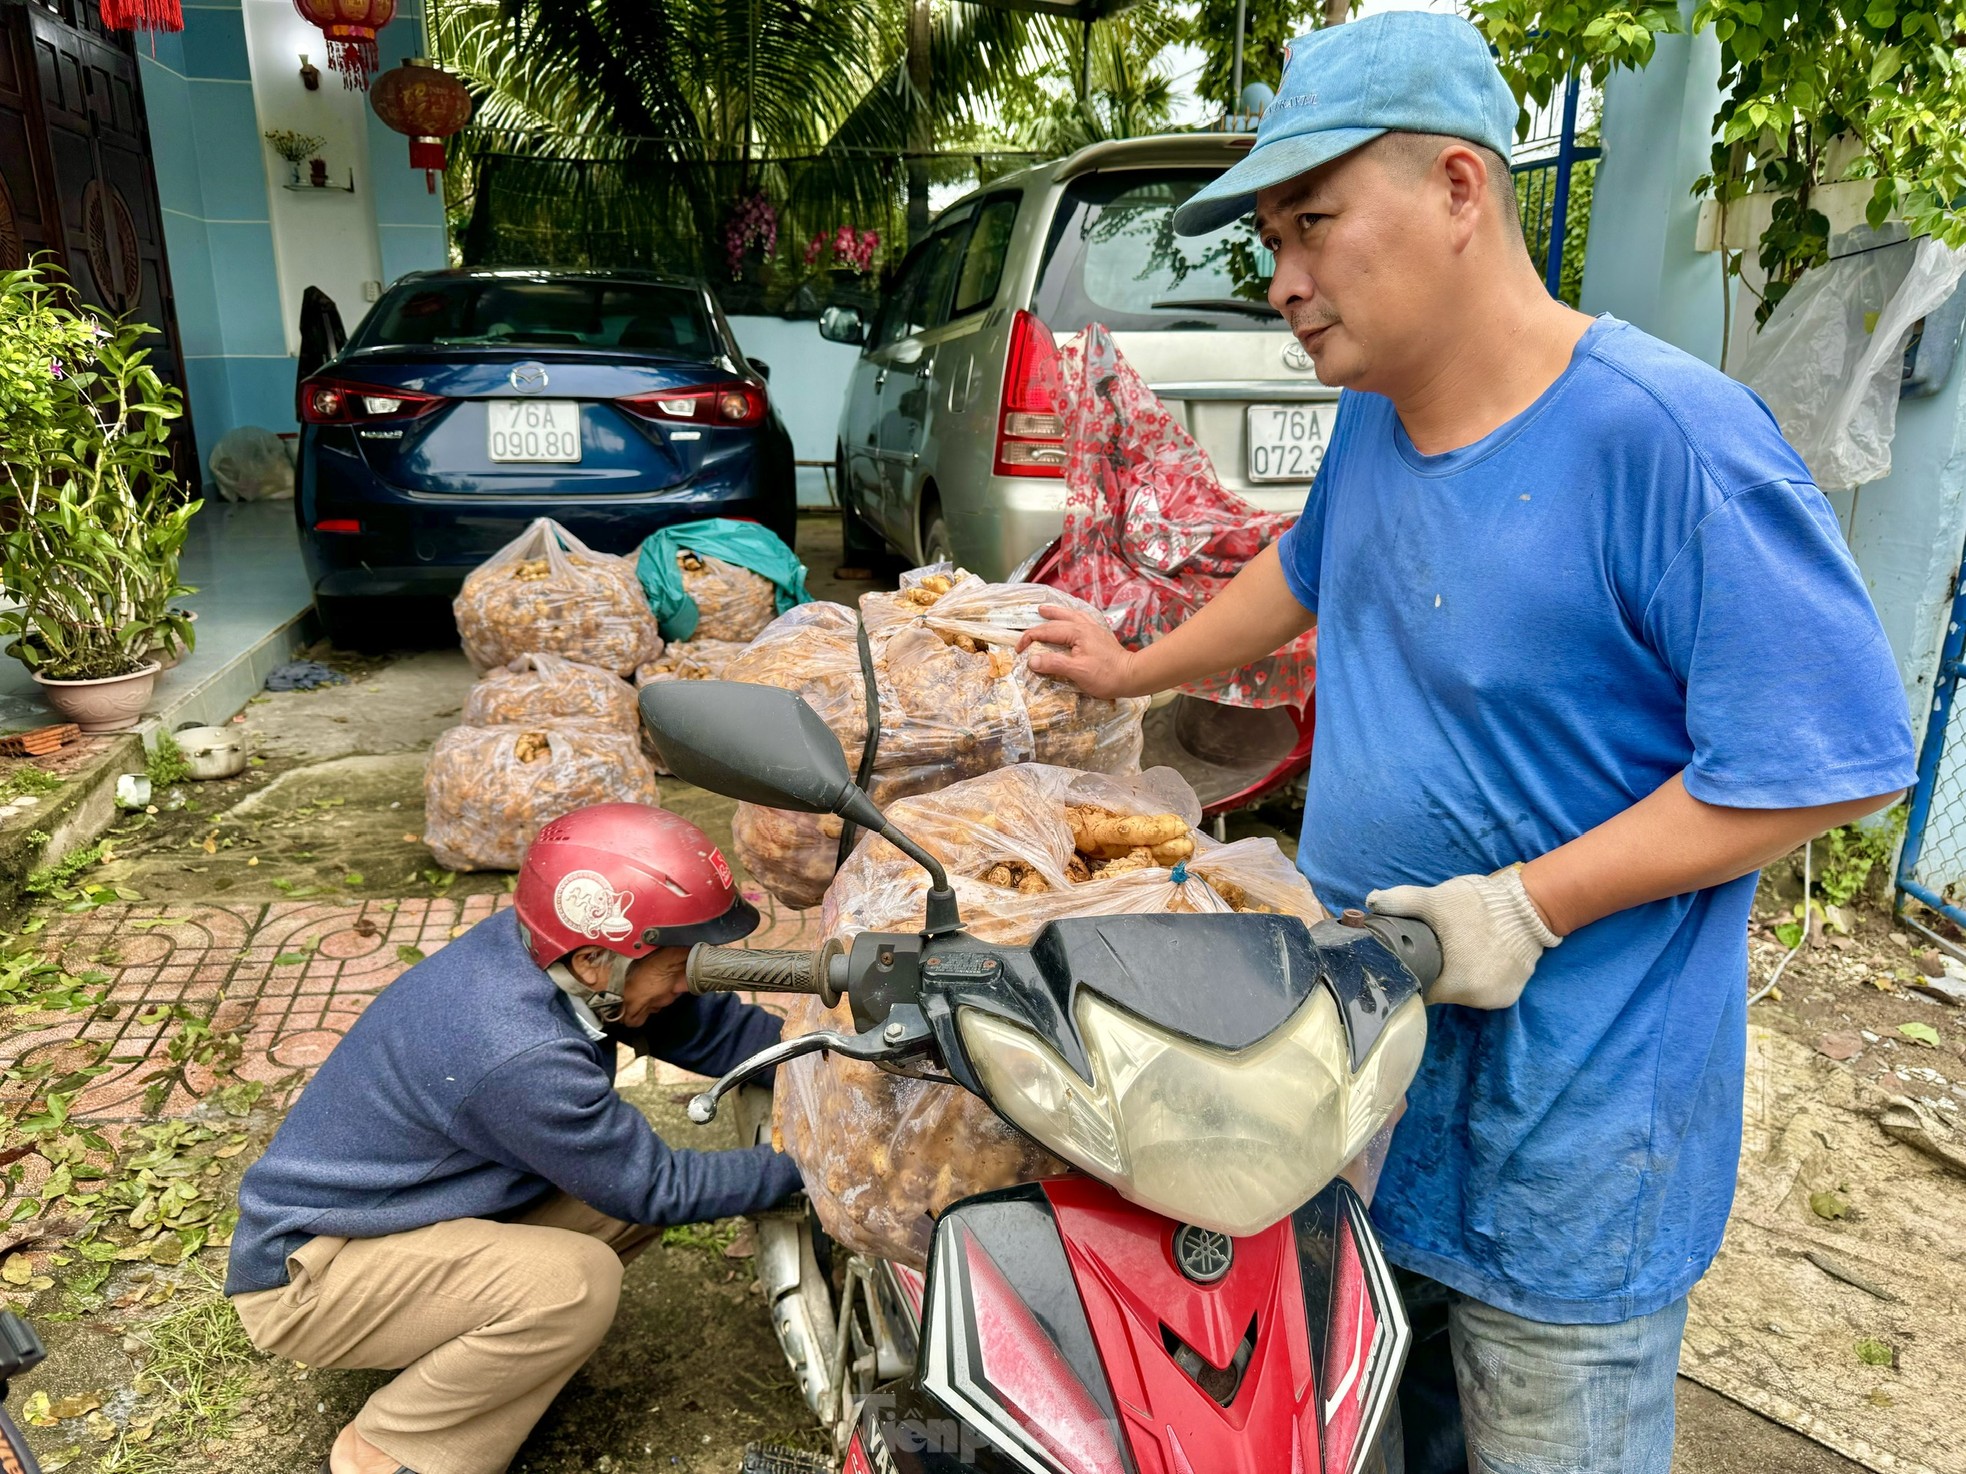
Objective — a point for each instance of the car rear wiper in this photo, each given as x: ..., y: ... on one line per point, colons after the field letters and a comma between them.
x: 1221, y: 304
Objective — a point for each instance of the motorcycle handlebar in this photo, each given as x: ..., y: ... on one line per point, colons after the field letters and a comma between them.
x: 752, y: 970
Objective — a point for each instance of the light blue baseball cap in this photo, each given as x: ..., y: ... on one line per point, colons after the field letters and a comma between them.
x: 1406, y: 71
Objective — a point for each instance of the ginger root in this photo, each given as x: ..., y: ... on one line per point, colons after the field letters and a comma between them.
x: 1100, y: 832
x: 531, y: 747
x: 1016, y: 875
x: 532, y: 570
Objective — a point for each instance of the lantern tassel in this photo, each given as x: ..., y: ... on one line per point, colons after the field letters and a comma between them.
x: 354, y: 59
x: 142, y: 15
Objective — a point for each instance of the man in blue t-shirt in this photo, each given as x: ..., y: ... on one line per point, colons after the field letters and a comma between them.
x: 1591, y: 651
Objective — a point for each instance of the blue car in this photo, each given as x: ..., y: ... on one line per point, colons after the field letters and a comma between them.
x: 470, y: 402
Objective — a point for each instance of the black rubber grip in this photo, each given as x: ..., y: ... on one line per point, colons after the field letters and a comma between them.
x: 750, y: 970
x: 15, y: 1456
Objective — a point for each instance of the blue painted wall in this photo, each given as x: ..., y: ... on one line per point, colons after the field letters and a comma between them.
x: 211, y: 183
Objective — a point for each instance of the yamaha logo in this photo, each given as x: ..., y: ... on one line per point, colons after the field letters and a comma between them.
x: 528, y: 378
x: 1202, y: 1254
x: 1294, y: 356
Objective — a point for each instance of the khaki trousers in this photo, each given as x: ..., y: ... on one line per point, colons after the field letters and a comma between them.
x: 486, y: 1321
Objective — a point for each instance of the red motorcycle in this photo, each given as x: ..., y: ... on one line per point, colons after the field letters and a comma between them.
x: 1206, y: 1295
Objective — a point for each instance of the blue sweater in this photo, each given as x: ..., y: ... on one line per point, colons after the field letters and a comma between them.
x: 468, y: 1089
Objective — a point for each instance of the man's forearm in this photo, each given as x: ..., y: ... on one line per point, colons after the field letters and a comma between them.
x: 1668, y: 844
x: 1254, y: 616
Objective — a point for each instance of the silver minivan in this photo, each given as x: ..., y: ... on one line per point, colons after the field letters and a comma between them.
x: 945, y: 449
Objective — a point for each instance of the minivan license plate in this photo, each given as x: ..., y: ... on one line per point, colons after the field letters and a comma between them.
x: 1286, y: 441
x: 534, y: 430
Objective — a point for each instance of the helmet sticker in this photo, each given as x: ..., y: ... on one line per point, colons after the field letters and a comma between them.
x: 721, y: 866
x: 586, y: 903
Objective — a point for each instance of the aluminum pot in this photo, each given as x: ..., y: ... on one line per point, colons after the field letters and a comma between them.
x: 213, y: 752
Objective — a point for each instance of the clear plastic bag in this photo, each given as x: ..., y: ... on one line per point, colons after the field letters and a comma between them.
x: 883, y: 1154
x: 689, y: 660
x: 956, y: 700
x: 1150, y: 534
x: 732, y: 603
x: 488, y: 790
x: 250, y: 464
x: 547, y: 592
x: 533, y: 689
x: 1829, y: 360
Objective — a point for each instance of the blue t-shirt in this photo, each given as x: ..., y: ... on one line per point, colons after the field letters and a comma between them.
x: 1517, y: 640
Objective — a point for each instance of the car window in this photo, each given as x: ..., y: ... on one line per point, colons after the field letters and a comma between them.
x: 1113, y: 257
x: 541, y: 312
x: 892, y: 325
x: 945, y: 250
x: 983, y: 258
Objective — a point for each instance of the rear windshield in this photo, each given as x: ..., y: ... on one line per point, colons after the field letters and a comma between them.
x: 541, y: 312
x: 1113, y: 257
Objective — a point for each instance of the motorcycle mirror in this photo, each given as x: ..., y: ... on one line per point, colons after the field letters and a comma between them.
x: 755, y: 743
x: 764, y: 745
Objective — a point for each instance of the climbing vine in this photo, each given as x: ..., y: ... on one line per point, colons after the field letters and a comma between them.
x: 1813, y: 92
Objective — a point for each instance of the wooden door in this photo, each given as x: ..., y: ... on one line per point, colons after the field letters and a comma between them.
x: 75, y: 161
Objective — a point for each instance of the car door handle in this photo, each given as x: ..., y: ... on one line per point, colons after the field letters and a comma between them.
x: 880, y: 380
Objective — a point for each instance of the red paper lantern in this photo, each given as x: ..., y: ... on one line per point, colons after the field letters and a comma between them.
x: 350, y: 26
x: 142, y: 15
x: 423, y: 100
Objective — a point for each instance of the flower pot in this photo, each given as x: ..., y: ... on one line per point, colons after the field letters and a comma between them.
x: 107, y: 704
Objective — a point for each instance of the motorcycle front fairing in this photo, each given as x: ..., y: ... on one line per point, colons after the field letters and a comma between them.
x: 1218, y: 1069
x: 1066, y: 1331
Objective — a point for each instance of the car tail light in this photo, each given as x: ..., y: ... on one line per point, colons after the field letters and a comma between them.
x: 739, y: 402
x: 990, y: 1358
x: 1030, y: 432
x: 337, y: 402
x: 338, y: 524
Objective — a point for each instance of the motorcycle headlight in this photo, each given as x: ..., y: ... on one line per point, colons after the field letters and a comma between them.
x: 1231, y: 1141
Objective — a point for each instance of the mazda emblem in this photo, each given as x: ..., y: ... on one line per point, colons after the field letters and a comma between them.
x: 528, y: 378
x: 1294, y: 356
x: 1203, y: 1255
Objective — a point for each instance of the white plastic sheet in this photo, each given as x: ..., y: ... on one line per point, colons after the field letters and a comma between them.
x: 251, y: 465
x: 1829, y: 360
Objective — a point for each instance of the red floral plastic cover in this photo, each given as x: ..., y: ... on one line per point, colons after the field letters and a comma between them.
x: 1150, y: 534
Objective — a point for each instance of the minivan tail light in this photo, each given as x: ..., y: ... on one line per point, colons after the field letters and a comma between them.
x: 339, y: 402
x: 1030, y: 431
x: 738, y: 403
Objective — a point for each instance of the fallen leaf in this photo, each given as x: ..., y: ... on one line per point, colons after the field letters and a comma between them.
x: 1930, y: 963
x: 364, y: 927
x: 459, y: 930
x: 252, y: 862
x: 412, y: 839
x: 1874, y: 1353
x: 354, y: 877
x: 17, y: 1270
x: 75, y: 1404
x: 290, y: 959
x: 1920, y: 1034
x: 166, y: 1251
x: 1840, y: 1046
x: 1828, y: 1205
x: 1881, y: 982
x: 100, y: 1428
x: 35, y: 1410
x: 409, y: 954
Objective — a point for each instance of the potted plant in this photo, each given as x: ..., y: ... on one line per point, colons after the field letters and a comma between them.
x: 295, y: 148
x: 93, y: 522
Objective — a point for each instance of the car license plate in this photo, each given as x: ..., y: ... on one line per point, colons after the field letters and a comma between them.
x: 534, y: 430
x: 1286, y: 441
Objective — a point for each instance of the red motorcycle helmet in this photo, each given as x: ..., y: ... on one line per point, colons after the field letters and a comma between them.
x: 627, y: 877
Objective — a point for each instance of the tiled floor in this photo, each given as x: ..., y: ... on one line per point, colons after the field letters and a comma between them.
x: 289, y: 978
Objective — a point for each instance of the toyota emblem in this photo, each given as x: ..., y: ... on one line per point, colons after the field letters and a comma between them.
x: 1203, y: 1255
x: 1294, y: 356
x: 530, y: 378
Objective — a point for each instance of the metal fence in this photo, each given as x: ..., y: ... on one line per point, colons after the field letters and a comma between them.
x: 1554, y: 174
x: 1932, y: 863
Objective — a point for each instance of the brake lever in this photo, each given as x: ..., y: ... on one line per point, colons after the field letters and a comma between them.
x: 905, y: 1033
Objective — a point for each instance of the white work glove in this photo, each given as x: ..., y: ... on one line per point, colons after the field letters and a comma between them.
x: 1491, y: 935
